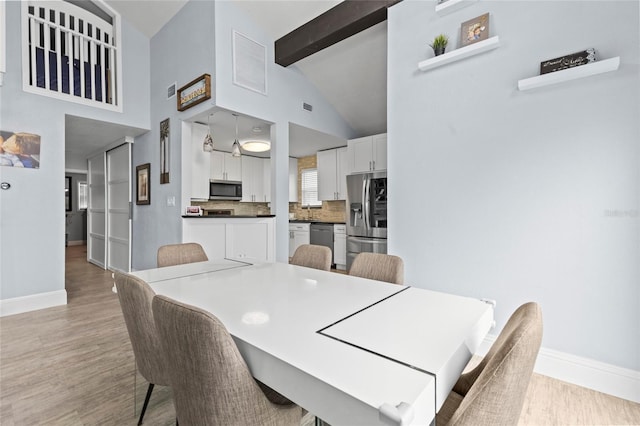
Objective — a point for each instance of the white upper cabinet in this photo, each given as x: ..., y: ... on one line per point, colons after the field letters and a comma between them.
x: 256, y: 179
x: 332, y: 171
x: 367, y: 154
x: 293, y: 180
x: 266, y: 179
x: 224, y: 166
x: 200, y: 163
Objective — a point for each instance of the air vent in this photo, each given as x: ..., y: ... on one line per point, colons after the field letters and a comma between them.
x: 307, y: 106
x: 171, y: 91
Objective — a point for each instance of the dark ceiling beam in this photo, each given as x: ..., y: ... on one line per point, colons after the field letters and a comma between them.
x: 338, y: 23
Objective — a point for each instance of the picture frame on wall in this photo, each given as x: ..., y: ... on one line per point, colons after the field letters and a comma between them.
x: 164, y: 151
x: 474, y: 30
x: 67, y: 193
x: 143, y: 184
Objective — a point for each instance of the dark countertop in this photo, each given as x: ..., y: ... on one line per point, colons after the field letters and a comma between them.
x: 237, y: 216
x: 315, y: 221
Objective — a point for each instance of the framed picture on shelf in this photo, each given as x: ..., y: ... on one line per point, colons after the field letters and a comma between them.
x: 474, y: 30
x: 143, y: 184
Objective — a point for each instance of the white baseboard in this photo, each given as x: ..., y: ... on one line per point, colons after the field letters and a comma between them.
x: 599, y: 376
x: 33, y: 302
x: 77, y: 243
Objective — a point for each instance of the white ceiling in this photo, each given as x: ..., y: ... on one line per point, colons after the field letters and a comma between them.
x: 350, y: 74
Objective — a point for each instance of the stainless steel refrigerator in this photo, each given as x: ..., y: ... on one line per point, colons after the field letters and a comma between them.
x: 367, y: 214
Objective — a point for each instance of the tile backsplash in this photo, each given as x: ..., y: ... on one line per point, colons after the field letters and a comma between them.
x: 237, y: 207
x: 331, y: 211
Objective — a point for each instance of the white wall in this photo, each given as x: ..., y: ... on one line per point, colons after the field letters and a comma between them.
x: 520, y: 196
x: 287, y: 89
x: 196, y: 41
x: 180, y: 52
x: 32, y: 222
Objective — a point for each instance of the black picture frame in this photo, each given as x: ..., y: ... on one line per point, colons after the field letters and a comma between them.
x: 143, y: 184
x: 68, y: 194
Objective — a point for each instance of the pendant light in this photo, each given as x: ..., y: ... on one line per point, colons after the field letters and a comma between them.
x: 235, y: 149
x: 207, y: 145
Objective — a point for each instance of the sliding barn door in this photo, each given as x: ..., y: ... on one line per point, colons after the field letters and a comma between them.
x: 118, y: 208
x: 96, y: 223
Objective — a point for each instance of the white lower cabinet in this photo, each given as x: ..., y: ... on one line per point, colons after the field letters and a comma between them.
x: 250, y: 239
x: 340, y: 246
x: 299, y: 233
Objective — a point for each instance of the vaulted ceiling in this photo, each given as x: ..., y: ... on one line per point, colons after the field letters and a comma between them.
x: 350, y: 74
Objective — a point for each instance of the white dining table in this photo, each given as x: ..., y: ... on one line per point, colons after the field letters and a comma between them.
x: 350, y: 350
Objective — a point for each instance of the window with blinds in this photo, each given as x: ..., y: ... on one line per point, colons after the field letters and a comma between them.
x: 310, y: 188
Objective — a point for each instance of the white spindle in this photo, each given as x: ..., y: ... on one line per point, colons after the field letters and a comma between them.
x: 69, y: 44
x: 59, y: 57
x: 46, y: 48
x: 81, y: 45
x: 92, y: 67
x: 103, y: 68
x: 113, y: 83
x: 33, y: 47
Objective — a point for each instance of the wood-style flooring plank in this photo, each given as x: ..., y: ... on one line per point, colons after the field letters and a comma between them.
x: 73, y: 365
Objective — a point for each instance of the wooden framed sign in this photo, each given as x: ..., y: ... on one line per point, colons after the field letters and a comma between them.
x: 194, y: 92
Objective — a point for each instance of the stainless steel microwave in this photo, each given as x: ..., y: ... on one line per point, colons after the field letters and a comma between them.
x: 225, y: 190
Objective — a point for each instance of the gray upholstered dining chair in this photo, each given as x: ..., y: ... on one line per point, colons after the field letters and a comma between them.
x: 493, y: 392
x: 210, y: 380
x: 378, y: 266
x: 312, y: 256
x: 177, y: 254
x: 135, y: 300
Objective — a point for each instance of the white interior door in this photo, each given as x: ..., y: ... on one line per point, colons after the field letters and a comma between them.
x: 96, y: 224
x: 118, y: 208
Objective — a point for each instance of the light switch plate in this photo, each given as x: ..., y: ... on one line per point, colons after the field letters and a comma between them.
x: 171, y: 201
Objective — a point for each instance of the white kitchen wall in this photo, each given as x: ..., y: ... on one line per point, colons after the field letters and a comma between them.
x: 32, y: 221
x: 519, y: 196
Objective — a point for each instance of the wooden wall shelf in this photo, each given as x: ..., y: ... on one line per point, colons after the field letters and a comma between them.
x: 581, y: 71
x: 459, y: 54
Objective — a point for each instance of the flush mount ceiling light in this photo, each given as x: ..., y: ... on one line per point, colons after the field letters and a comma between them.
x: 207, y: 145
x: 256, y: 145
x: 235, y: 149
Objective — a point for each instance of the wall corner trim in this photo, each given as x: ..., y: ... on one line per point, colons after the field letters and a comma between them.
x: 599, y: 376
x: 33, y: 302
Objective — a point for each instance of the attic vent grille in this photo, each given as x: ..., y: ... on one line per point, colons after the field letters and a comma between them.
x: 307, y: 106
x: 171, y: 91
x: 249, y: 63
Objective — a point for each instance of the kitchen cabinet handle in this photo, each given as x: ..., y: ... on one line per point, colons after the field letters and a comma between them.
x: 374, y: 164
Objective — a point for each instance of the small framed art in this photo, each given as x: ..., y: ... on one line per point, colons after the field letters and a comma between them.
x: 143, y: 184
x: 474, y: 30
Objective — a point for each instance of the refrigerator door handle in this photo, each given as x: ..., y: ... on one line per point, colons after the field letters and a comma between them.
x: 365, y: 203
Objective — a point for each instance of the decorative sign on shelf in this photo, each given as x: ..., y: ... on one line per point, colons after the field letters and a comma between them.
x: 568, y: 61
x: 198, y: 90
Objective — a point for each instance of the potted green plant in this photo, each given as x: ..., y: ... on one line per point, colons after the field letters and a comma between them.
x: 439, y: 43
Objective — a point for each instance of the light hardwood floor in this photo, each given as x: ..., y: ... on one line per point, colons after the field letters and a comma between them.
x: 73, y: 365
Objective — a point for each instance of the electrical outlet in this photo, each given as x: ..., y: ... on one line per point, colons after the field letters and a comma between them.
x: 171, y: 201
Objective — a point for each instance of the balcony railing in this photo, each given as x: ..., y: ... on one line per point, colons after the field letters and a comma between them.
x: 70, y: 53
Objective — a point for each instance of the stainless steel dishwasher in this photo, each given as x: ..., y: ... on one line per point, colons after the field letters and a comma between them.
x: 322, y: 235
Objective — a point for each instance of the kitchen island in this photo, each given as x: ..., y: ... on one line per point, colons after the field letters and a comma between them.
x: 243, y: 237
